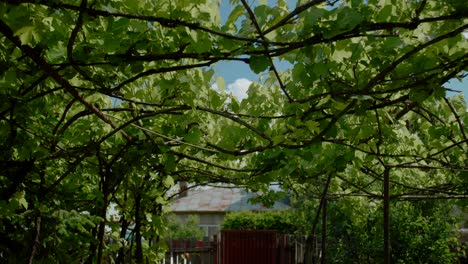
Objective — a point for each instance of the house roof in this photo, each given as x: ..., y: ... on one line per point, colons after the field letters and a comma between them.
x: 221, y: 200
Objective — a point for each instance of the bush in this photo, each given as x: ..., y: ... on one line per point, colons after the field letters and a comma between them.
x: 282, y: 221
x: 421, y: 232
x: 177, y: 229
x: 424, y: 232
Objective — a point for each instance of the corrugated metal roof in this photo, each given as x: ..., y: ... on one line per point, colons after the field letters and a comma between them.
x: 221, y: 200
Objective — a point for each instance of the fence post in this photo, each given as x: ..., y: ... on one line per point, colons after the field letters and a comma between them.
x: 283, y: 257
x: 215, y: 249
x: 171, y: 250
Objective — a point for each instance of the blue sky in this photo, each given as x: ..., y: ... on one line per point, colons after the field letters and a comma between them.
x: 461, y: 86
x: 238, y: 75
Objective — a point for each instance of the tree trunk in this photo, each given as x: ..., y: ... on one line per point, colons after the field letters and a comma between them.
x: 123, y: 232
x: 309, y: 256
x: 386, y: 222
x: 324, y: 231
x: 92, y: 249
x: 138, y: 238
x: 37, y: 233
x: 102, y: 228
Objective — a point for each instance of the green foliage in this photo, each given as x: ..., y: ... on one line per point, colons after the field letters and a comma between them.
x: 282, y: 221
x: 421, y: 231
x: 425, y: 232
x: 259, y: 63
x: 183, y: 229
x: 113, y: 102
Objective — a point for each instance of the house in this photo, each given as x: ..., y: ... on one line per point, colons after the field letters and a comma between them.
x: 211, y: 204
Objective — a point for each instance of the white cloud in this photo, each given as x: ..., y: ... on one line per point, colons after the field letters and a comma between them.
x: 465, y: 34
x: 239, y: 88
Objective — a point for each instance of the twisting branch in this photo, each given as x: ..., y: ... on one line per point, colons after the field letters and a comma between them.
x: 457, y: 117
x: 71, y: 42
x: 322, y: 204
x: 176, y: 56
x: 72, y: 167
x: 267, y: 49
x: 380, y: 137
x: 182, y: 155
x: 456, y: 144
x: 362, y: 189
x: 191, y: 173
x: 420, y: 8
x: 381, y: 75
x: 166, y: 22
x: 161, y: 70
x: 64, y: 114
x: 426, y: 167
x: 37, y: 235
x: 238, y: 152
x: 322, y: 199
x: 239, y: 121
x: 171, y: 140
x: 330, y: 125
x: 30, y: 52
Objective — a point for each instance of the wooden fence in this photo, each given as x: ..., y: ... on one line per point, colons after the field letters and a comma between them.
x: 239, y: 246
x: 249, y: 247
x: 192, y: 252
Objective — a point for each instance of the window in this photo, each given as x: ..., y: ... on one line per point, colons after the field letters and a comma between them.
x: 210, y: 230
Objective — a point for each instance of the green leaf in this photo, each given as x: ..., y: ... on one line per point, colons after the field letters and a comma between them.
x: 168, y: 182
x: 313, y: 126
x: 419, y: 95
x: 439, y: 92
x: 386, y: 13
x: 234, y: 105
x: 277, y: 139
x: 259, y: 63
x: 392, y: 43
x: 261, y: 13
x: 136, y: 68
x: 112, y: 43
x: 221, y: 84
x: 26, y: 35
x: 169, y: 162
x: 348, y: 18
x: 312, y: 16
x: 193, y: 136
x: 235, y: 14
x: 320, y: 69
x: 57, y: 53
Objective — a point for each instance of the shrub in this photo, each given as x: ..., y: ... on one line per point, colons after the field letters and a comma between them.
x: 177, y: 229
x: 421, y: 232
x: 282, y: 221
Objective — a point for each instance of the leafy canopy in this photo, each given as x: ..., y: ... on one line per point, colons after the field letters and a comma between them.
x: 113, y: 102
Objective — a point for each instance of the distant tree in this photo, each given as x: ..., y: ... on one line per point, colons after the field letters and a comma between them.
x: 188, y: 229
x: 424, y: 231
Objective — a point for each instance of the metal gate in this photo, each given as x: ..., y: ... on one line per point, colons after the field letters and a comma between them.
x: 249, y: 246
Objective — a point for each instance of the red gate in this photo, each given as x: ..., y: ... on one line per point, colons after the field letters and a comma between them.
x: 248, y: 246
x: 239, y: 246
